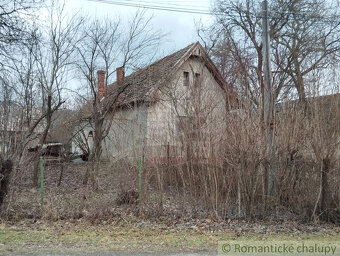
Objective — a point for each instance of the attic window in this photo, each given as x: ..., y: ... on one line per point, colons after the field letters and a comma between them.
x: 185, y: 78
x: 197, y: 79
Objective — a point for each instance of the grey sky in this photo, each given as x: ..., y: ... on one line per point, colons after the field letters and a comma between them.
x: 179, y: 25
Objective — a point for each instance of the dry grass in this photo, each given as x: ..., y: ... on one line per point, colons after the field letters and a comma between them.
x: 77, y: 237
x: 74, y: 219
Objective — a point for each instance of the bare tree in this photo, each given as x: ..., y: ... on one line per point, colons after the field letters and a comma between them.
x: 15, y: 20
x: 308, y: 41
x: 305, y: 37
x: 40, y: 68
x: 298, y: 49
x: 106, y: 45
x: 14, y: 31
x: 54, y: 58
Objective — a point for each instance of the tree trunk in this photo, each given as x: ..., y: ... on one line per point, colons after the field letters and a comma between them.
x: 300, y: 85
x: 35, y: 178
x: 92, y: 171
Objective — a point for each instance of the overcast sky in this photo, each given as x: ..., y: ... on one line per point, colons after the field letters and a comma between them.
x: 180, y: 26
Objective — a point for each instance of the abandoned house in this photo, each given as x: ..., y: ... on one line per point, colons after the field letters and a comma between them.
x: 172, y: 108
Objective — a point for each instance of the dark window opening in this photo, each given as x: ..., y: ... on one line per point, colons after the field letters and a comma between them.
x: 197, y: 79
x: 185, y: 78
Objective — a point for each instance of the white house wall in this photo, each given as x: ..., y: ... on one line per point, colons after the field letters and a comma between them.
x: 176, y: 100
x: 81, y: 132
x: 127, y: 134
x: 153, y: 131
x: 126, y: 137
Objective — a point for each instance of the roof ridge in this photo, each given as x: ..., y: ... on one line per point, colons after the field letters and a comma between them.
x: 190, y: 46
x: 139, y: 84
x: 193, y: 45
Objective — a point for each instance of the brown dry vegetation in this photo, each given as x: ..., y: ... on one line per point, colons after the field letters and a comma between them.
x: 177, y: 193
x: 216, y: 179
x: 229, y: 183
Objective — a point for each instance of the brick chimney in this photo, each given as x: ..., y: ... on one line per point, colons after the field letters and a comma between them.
x: 120, y: 75
x: 101, y: 83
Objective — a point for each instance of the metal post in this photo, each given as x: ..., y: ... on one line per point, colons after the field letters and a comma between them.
x: 41, y: 179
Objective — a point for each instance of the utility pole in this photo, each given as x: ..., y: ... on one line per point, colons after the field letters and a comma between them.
x: 268, y: 104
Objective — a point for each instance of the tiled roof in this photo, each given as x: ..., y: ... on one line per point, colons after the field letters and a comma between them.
x: 140, y: 84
